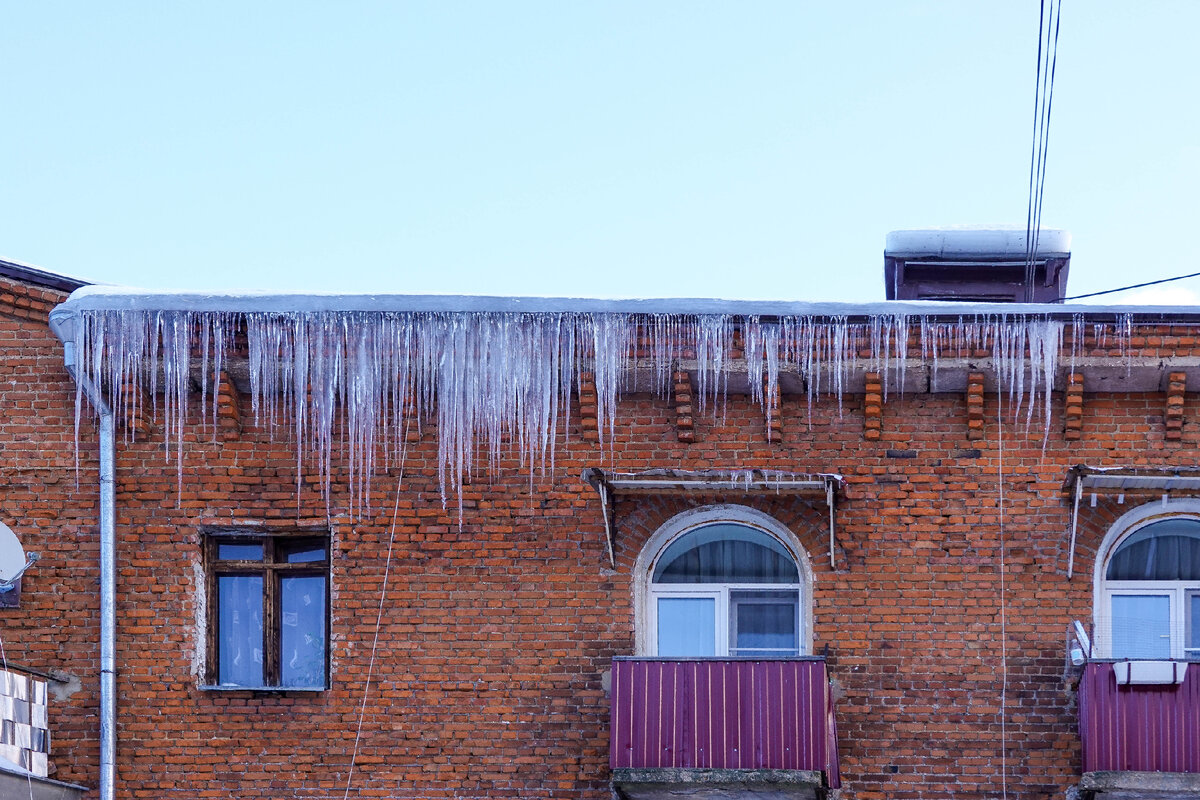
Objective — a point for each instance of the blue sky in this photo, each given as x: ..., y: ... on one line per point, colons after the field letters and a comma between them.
x: 749, y: 150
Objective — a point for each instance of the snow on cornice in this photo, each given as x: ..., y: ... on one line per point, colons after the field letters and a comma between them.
x: 120, y: 298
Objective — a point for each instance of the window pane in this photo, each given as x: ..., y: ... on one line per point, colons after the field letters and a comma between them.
x: 302, y: 636
x: 726, y: 553
x: 1191, y: 647
x: 240, y: 634
x: 1162, y: 551
x: 1141, y: 626
x: 240, y: 551
x: 687, y: 626
x: 764, y: 624
x: 298, y: 552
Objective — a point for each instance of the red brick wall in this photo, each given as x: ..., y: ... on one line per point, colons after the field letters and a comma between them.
x: 54, y: 629
x: 497, y: 630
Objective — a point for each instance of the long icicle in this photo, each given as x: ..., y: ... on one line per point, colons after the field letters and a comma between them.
x: 343, y: 384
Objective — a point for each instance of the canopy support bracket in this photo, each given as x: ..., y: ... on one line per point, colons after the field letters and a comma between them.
x: 1074, y: 527
x: 605, y: 502
x: 829, y: 501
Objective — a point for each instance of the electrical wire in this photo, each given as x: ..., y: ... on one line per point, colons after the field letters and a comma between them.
x: 1037, y: 221
x: 1133, y: 286
x: 1043, y: 101
x: 362, y: 711
x: 1033, y: 155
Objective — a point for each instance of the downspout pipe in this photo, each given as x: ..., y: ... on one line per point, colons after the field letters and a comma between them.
x: 63, y: 326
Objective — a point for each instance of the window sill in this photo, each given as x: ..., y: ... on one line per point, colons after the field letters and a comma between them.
x: 720, y: 658
x: 1110, y: 660
x: 225, y: 687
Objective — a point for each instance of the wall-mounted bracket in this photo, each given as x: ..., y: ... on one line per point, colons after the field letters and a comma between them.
x: 9, y: 584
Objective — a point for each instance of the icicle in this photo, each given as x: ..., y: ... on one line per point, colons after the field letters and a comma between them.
x: 347, y: 387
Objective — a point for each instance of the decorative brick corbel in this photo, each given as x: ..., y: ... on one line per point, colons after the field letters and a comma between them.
x: 773, y: 408
x: 1176, y: 387
x: 873, y: 407
x: 588, y: 406
x: 1073, y: 410
x: 975, y: 428
x: 685, y: 424
x: 229, y: 415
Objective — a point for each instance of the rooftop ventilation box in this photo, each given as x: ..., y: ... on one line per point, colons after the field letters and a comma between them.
x: 976, y: 264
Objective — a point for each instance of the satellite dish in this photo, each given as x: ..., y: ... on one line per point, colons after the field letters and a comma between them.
x: 1081, y: 635
x: 13, y: 561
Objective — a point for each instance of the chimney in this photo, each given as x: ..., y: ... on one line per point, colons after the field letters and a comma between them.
x: 976, y: 264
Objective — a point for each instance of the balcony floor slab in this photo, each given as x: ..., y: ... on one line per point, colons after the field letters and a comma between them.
x: 702, y: 784
x: 17, y: 782
x: 1138, y: 786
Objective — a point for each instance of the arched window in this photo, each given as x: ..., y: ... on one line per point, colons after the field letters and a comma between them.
x: 1149, y: 597
x: 725, y: 582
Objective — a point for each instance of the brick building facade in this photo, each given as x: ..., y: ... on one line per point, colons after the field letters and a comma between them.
x: 51, y: 508
x: 469, y: 629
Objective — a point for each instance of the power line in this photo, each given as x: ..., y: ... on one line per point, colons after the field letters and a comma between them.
x: 1043, y: 97
x: 1134, y: 286
x: 1033, y: 159
x: 1037, y: 222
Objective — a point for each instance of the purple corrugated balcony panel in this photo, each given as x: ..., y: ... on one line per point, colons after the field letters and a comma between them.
x: 723, y: 714
x: 1142, y: 728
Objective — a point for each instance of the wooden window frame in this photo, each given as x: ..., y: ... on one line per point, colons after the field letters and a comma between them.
x: 272, y: 572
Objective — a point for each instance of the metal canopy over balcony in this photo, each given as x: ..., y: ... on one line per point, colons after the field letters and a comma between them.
x: 676, y: 481
x: 1118, y: 480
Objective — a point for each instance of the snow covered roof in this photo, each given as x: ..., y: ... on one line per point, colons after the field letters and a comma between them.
x: 39, y: 277
x: 120, y: 298
x: 499, y: 364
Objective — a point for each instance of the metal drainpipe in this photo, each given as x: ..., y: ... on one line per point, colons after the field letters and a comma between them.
x: 108, y: 572
x: 108, y: 608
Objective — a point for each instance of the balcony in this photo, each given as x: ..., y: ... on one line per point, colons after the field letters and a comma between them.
x: 25, y: 740
x: 722, y: 727
x: 1140, y: 739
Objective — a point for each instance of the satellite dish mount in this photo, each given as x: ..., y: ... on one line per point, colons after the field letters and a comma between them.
x: 13, y: 560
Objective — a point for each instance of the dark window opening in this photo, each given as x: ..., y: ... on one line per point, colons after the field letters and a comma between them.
x: 268, y: 611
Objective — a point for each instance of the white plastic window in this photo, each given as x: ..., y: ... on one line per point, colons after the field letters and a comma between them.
x: 1150, y: 600
x: 725, y: 589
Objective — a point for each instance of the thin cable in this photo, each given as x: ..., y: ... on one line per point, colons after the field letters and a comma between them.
x: 1037, y: 221
x: 362, y: 711
x: 1033, y: 158
x: 1041, y: 138
x: 1043, y: 105
x: 1133, y: 286
x: 1003, y: 600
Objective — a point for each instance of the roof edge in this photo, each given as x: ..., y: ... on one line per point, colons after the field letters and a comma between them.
x: 40, y: 277
x: 115, y: 298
